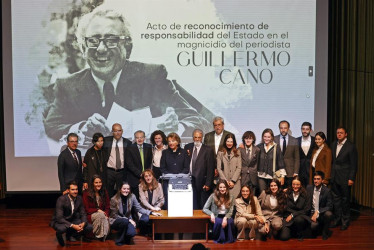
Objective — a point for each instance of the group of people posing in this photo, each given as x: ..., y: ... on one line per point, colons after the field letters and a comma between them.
x: 290, y: 176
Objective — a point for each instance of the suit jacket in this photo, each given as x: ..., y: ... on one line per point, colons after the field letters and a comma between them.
x: 291, y: 157
x: 249, y: 165
x: 108, y: 141
x: 323, y: 162
x: 68, y: 169
x: 96, y: 162
x: 175, y: 162
x: 209, y: 140
x: 116, y: 208
x: 268, y: 212
x: 300, y: 207
x: 134, y: 166
x: 63, y: 213
x: 203, y: 170
x: 325, y: 198
x: 140, y: 85
x: 158, y: 199
x: 344, y: 166
x: 305, y: 158
x: 229, y: 168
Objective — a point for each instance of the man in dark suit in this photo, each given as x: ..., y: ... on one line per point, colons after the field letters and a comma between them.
x: 321, y: 200
x: 83, y: 100
x: 215, y: 139
x: 70, y: 216
x: 138, y: 158
x: 290, y: 151
x: 69, y: 164
x: 306, y: 144
x: 116, y: 147
x: 343, y: 175
x: 201, y: 169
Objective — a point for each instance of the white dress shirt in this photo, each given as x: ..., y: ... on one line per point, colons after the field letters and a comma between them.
x: 112, y: 157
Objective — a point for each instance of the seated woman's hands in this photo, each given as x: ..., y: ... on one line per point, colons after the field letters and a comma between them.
x: 259, y: 219
x: 224, y: 222
x: 132, y: 222
x: 267, y: 227
x: 212, y: 218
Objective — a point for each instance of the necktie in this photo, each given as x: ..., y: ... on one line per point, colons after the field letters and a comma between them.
x: 118, y: 157
x: 194, y: 156
x: 141, y: 156
x: 75, y: 158
x: 284, y: 145
x: 108, y: 90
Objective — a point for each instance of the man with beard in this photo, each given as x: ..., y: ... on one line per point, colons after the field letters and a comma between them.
x: 290, y: 151
x: 306, y: 144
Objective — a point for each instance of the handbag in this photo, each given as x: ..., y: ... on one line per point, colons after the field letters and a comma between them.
x: 276, y: 174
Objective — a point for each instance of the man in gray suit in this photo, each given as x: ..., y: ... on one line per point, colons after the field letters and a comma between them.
x: 290, y: 150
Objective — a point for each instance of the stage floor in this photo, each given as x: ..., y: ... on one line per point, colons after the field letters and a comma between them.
x: 28, y: 229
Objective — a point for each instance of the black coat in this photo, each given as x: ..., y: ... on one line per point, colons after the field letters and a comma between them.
x: 265, y: 160
x: 96, y: 162
x: 344, y: 167
x: 203, y: 171
x: 175, y: 162
x: 68, y: 169
x: 305, y: 158
x: 134, y: 166
x: 300, y: 207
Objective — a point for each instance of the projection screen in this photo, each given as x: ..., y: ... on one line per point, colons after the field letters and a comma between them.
x: 254, y: 63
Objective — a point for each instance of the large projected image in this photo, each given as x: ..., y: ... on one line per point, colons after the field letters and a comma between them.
x: 172, y: 65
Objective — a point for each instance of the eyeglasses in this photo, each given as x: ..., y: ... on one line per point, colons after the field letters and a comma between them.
x: 110, y: 42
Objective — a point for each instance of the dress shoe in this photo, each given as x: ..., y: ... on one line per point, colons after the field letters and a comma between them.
x: 335, y: 223
x: 72, y: 239
x: 327, y: 235
x: 60, y: 239
x: 344, y: 227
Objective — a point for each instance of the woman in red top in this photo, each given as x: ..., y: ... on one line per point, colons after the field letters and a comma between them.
x: 96, y: 203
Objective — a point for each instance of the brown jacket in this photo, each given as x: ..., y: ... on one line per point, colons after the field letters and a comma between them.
x: 323, y: 162
x: 245, y: 210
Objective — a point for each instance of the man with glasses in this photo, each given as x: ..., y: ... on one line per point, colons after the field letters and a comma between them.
x: 84, y: 100
x: 116, y: 146
x: 69, y: 165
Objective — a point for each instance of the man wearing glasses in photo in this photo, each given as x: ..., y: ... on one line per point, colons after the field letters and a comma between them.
x: 84, y: 99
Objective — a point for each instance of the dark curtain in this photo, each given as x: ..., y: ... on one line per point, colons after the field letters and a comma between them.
x: 351, y: 85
